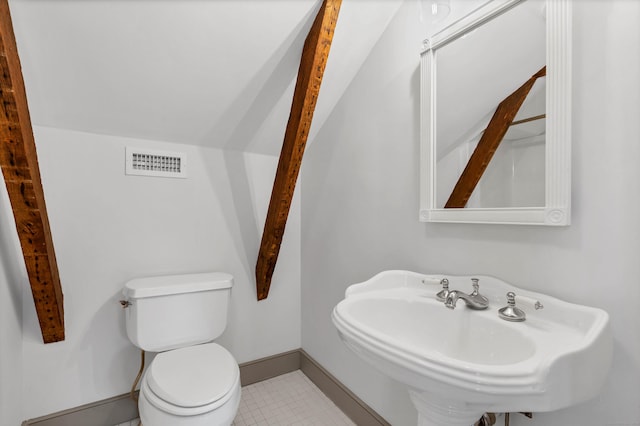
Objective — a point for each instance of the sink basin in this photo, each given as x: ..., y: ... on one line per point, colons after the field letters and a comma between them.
x: 461, y: 363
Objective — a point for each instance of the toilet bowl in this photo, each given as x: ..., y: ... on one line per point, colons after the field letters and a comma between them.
x: 191, y: 381
x: 194, y: 386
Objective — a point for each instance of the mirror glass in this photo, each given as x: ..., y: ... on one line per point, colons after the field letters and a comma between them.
x: 495, y: 116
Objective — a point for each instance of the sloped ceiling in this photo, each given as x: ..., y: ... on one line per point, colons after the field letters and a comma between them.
x: 216, y: 73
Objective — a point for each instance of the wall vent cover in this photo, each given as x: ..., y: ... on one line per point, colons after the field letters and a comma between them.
x: 145, y: 162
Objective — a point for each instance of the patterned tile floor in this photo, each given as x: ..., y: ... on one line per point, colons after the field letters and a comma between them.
x: 287, y: 400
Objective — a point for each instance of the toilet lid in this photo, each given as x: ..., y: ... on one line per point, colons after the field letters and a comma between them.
x: 193, y: 376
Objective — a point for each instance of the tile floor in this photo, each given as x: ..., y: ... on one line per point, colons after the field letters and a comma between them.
x: 287, y: 400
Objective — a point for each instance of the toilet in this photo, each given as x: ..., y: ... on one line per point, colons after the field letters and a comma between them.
x: 192, y: 381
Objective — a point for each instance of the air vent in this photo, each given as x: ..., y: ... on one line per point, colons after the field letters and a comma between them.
x: 144, y: 162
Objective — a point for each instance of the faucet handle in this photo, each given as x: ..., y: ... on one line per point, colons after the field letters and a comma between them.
x: 511, y: 312
x: 475, y: 294
x: 442, y: 295
x: 476, y: 286
x: 534, y: 302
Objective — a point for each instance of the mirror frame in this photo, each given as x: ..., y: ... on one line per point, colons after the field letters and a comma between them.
x: 557, y: 208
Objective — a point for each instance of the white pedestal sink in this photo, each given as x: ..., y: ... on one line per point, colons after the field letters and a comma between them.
x: 461, y: 363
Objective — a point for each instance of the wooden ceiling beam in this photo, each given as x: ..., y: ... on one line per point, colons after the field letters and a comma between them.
x: 19, y: 163
x: 312, y: 64
x: 489, y: 143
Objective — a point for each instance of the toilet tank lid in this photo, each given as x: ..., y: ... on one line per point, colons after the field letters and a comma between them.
x: 173, y: 284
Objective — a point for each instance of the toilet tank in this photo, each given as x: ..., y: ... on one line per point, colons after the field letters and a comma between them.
x: 169, y: 312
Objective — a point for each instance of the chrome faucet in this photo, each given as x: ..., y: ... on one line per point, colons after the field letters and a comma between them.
x: 474, y: 300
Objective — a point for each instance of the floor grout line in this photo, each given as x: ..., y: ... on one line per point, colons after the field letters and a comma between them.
x: 287, y: 400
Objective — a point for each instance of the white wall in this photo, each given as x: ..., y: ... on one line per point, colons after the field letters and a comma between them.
x: 109, y: 228
x: 13, y: 277
x: 360, y: 209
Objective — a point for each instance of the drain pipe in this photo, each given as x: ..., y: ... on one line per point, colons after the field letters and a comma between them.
x: 489, y: 419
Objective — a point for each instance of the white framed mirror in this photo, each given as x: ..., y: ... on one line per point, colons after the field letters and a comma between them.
x: 496, y: 116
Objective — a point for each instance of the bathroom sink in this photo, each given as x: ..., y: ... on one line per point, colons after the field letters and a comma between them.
x: 461, y: 363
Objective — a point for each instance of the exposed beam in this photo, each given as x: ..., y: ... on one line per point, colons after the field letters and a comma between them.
x: 312, y: 65
x: 19, y: 163
x: 529, y: 119
x: 489, y: 143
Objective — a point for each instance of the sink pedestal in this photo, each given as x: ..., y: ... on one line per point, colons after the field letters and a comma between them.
x: 434, y: 411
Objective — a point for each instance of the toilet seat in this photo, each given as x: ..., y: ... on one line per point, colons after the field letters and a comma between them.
x: 192, y: 380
